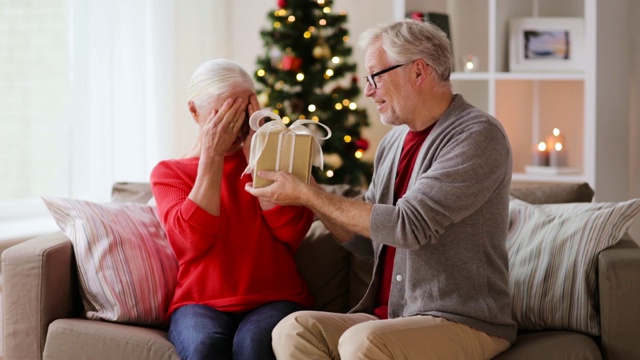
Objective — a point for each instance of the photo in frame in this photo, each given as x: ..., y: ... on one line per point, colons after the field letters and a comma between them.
x: 547, y: 44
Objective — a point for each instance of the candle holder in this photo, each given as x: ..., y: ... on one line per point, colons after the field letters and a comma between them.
x: 541, y: 155
x: 558, y: 156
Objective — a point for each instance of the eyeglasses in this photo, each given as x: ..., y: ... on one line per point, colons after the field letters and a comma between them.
x: 371, y: 78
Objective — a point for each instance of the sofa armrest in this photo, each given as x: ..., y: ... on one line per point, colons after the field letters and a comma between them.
x: 619, y: 286
x: 40, y: 285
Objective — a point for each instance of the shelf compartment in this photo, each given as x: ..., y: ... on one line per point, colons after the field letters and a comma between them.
x: 530, y: 109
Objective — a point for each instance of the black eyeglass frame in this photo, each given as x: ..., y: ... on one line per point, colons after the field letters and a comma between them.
x: 370, y: 79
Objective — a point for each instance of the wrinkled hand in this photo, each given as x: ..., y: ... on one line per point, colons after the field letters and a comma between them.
x: 285, y: 190
x: 222, y: 127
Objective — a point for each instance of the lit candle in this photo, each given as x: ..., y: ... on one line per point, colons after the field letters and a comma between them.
x: 541, y: 155
x: 558, y: 156
x: 553, y: 139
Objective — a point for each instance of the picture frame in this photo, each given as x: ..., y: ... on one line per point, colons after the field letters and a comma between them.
x: 546, y: 44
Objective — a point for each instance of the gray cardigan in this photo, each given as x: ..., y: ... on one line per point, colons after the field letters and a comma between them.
x: 451, y: 225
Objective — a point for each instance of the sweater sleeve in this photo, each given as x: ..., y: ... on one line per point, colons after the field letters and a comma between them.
x: 189, y: 228
x: 289, y: 224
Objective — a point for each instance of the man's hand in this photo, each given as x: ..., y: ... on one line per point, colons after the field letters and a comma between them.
x: 285, y: 190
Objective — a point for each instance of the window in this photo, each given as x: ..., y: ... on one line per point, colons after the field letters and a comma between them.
x: 93, y: 92
x: 34, y: 94
x: 85, y: 98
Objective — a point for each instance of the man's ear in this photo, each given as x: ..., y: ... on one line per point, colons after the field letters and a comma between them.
x: 421, y: 70
x: 193, y: 110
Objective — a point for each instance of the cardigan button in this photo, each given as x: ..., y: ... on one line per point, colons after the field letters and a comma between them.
x: 399, y: 277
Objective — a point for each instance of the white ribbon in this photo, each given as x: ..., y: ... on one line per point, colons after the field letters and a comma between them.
x: 278, y: 126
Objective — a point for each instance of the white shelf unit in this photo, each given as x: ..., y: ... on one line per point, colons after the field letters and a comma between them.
x: 531, y: 104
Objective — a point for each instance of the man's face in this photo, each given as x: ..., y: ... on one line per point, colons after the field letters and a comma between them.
x: 389, y: 94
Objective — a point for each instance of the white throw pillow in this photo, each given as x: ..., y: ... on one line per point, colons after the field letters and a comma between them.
x: 126, y: 266
x: 553, y: 253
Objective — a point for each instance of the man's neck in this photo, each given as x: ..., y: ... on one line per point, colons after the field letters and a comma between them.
x: 439, y: 102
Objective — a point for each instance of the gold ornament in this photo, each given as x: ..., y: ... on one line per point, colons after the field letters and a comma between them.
x: 333, y: 160
x: 318, y: 52
x: 321, y: 50
x: 263, y: 98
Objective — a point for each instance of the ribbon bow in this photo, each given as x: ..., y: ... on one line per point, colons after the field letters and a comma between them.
x: 278, y: 126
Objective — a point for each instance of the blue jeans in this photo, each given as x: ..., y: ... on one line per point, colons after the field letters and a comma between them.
x: 202, y: 332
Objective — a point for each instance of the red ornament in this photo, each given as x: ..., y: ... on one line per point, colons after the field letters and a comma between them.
x: 282, y: 4
x: 416, y: 15
x: 362, y: 144
x: 290, y: 62
x: 354, y: 80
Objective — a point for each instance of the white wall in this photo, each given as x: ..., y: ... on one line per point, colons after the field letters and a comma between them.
x: 197, y: 23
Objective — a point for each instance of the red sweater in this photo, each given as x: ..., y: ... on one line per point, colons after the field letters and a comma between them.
x: 238, y: 260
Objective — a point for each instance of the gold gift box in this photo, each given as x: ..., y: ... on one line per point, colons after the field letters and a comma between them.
x: 285, y: 151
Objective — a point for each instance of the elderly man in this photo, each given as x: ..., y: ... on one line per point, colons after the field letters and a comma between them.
x: 434, y: 220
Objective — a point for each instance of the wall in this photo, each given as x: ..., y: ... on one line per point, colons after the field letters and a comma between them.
x: 634, y: 111
x: 197, y: 25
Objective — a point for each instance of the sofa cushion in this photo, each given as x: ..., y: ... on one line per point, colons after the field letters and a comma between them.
x: 553, y: 194
x: 138, y: 192
x: 552, y: 260
x: 324, y: 265
x: 126, y: 267
x: 552, y: 345
x: 77, y: 338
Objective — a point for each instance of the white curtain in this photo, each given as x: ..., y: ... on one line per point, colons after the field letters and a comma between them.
x: 122, y: 91
x: 94, y: 92
x: 133, y: 62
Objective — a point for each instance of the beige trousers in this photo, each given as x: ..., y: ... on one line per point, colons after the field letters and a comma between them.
x: 324, y: 335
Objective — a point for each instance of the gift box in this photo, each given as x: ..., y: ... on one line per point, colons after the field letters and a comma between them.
x: 284, y: 151
x: 276, y: 147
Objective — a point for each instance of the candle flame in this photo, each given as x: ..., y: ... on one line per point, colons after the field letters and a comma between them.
x: 542, y: 146
x: 558, y: 146
x: 556, y: 131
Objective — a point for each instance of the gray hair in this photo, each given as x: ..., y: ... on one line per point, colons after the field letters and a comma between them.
x: 409, y: 40
x: 214, y: 78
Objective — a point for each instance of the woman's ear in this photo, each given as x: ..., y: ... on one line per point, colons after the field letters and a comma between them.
x: 193, y: 110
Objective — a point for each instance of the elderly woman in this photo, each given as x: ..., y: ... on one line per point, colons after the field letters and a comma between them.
x: 237, y: 275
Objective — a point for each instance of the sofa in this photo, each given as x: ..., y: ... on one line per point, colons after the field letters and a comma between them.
x: 44, y: 315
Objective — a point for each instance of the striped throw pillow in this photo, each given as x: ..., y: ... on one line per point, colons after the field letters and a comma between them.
x: 126, y: 267
x: 552, y: 260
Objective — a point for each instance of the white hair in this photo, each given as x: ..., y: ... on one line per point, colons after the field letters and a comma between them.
x: 214, y: 78
x: 409, y: 40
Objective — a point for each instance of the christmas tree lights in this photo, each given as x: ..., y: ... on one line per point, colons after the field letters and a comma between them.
x: 305, y: 73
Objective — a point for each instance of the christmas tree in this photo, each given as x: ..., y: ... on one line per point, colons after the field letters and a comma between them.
x: 305, y: 73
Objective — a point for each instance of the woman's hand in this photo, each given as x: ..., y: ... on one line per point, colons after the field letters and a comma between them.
x: 221, y: 128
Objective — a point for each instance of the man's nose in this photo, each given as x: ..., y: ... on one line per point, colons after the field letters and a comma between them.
x: 368, y: 89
